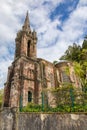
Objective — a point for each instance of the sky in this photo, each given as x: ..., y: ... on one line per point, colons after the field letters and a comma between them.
x: 58, y: 23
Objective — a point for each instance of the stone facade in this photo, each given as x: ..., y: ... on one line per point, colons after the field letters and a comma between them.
x: 28, y: 75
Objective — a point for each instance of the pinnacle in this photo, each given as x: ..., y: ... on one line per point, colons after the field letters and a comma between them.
x: 26, y: 22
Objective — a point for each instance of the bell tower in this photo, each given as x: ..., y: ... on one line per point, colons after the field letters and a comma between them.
x: 26, y: 41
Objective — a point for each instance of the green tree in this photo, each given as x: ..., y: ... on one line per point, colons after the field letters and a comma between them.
x: 72, y: 53
x: 78, y: 69
x: 84, y: 45
x: 83, y: 56
x: 78, y: 55
x: 1, y: 97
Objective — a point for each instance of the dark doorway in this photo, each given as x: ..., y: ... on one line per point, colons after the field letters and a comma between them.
x: 29, y: 96
x: 28, y: 48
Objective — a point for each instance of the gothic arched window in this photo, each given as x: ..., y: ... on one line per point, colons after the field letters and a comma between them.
x: 65, y: 77
x: 28, y: 48
x: 29, y: 96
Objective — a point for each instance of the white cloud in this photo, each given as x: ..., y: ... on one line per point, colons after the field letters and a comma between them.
x: 52, y: 42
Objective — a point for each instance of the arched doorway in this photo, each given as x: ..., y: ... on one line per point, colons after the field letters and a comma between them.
x: 29, y: 96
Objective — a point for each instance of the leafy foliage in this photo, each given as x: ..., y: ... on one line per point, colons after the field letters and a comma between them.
x: 1, y: 97
x: 78, y: 69
x: 72, y: 53
x: 69, y: 99
x: 31, y: 107
x: 84, y: 45
x: 78, y: 55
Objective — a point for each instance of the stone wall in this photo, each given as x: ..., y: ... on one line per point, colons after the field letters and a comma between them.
x: 52, y: 122
x: 11, y: 120
x: 8, y: 119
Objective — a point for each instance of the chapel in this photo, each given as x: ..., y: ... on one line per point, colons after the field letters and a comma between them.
x: 28, y: 76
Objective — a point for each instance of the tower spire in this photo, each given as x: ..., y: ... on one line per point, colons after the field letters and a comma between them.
x: 26, y: 25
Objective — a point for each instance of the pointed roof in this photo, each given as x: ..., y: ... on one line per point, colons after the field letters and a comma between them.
x: 26, y: 22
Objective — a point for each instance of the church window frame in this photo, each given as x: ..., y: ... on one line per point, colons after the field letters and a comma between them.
x: 65, y: 77
x: 28, y: 47
x: 30, y: 96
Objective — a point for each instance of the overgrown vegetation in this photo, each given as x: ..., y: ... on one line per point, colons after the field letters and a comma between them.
x: 1, y: 97
x: 68, y: 100
x: 31, y: 107
x: 78, y: 55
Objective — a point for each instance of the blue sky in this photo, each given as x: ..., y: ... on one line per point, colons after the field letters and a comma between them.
x: 64, y: 9
x: 58, y: 23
